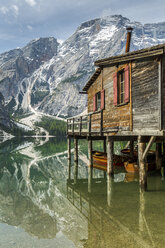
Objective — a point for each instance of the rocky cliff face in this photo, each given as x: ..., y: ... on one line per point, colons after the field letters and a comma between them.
x: 41, y: 78
x: 19, y: 64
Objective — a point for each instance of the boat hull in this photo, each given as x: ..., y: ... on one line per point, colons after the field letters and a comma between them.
x: 100, y: 160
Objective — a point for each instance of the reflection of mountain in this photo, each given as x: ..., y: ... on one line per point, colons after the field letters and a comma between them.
x: 33, y: 191
x: 130, y: 221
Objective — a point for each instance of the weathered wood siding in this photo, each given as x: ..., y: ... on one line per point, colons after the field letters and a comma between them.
x: 163, y: 92
x: 145, y: 99
x: 113, y: 116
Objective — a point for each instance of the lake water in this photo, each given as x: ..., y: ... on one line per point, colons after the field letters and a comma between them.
x: 41, y: 207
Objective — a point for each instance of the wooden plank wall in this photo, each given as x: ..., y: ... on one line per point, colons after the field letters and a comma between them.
x: 163, y: 91
x: 145, y: 100
x: 112, y: 116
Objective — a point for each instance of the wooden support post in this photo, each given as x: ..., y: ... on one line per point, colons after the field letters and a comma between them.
x: 142, y: 165
x: 132, y: 148
x: 158, y: 155
x: 80, y: 125
x: 141, y: 212
x: 110, y: 148
x: 109, y: 190
x: 75, y: 160
x: 163, y: 162
x: 73, y: 126
x: 90, y: 166
x: 69, y: 157
x: 101, y: 122
x: 89, y: 124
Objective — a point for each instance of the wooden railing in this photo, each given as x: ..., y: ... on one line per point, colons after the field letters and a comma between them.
x: 83, y: 124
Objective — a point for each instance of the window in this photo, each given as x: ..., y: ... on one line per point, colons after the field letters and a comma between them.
x: 121, y: 86
x: 98, y: 100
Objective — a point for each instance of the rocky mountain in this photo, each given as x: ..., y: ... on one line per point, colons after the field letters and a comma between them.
x: 47, y: 77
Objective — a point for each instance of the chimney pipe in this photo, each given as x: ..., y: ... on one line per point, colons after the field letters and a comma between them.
x: 129, y: 33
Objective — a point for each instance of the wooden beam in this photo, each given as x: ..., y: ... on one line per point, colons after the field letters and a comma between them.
x: 73, y: 126
x: 128, y: 57
x: 69, y: 156
x: 160, y: 92
x: 89, y: 124
x: 131, y: 116
x: 80, y: 125
x: 142, y: 165
x: 90, y: 166
x: 75, y: 160
x: 152, y: 139
x: 110, y: 151
x: 109, y: 190
x: 101, y: 122
x: 102, y: 79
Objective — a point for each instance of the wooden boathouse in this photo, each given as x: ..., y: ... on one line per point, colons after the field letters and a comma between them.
x: 126, y: 102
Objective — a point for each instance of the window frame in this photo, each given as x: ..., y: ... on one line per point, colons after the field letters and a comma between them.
x: 120, y: 87
x: 98, y: 101
x: 125, y: 71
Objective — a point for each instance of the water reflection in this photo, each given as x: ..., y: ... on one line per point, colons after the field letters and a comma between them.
x: 38, y: 196
x: 118, y: 214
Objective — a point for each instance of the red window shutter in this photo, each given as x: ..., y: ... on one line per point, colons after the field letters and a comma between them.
x: 115, y: 88
x: 102, y: 99
x: 126, y: 84
x: 94, y: 103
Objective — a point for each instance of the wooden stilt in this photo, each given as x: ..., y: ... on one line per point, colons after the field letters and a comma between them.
x: 158, y: 155
x: 141, y: 212
x: 163, y: 162
x: 142, y: 165
x: 109, y: 190
x: 69, y: 157
x: 131, y: 148
x: 110, y: 146
x: 75, y: 160
x: 90, y: 166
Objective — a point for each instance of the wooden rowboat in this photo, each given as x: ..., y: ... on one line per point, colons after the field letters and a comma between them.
x: 100, y: 160
x: 126, y: 151
x: 132, y: 167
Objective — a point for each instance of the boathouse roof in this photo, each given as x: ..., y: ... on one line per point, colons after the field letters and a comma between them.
x: 127, y: 57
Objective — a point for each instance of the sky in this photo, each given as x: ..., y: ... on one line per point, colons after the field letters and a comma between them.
x: 24, y: 20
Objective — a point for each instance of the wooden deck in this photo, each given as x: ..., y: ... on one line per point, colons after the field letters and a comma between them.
x: 91, y: 125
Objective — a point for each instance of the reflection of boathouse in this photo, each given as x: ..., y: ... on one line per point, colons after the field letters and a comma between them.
x: 126, y: 102
x: 128, y: 221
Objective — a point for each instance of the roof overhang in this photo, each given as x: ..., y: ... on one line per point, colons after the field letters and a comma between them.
x: 92, y: 79
x: 144, y: 53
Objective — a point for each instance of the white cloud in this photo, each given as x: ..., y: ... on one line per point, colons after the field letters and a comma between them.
x: 29, y: 27
x: 31, y: 2
x: 15, y: 9
x: 4, y: 10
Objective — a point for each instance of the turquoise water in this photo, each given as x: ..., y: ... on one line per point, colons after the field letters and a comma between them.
x: 41, y: 207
